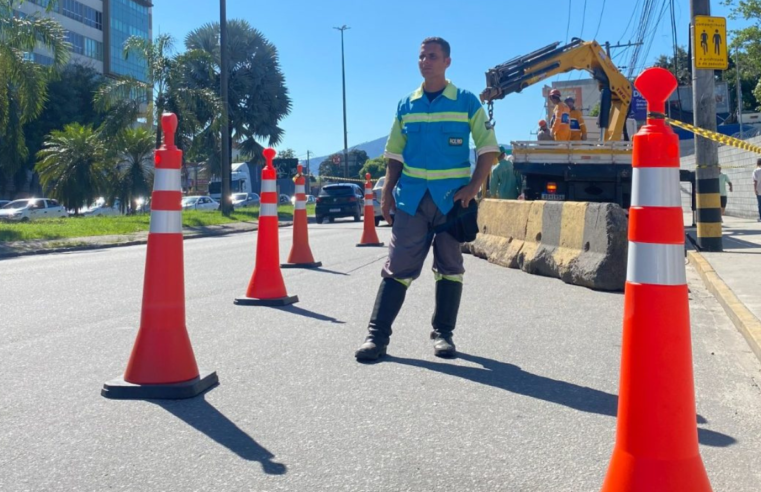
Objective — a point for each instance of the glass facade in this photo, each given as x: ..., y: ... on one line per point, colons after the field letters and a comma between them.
x: 127, y: 18
x: 82, y: 45
x: 81, y: 13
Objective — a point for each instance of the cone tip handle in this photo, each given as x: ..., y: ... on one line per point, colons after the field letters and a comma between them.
x: 299, y: 168
x: 656, y: 85
x: 169, y: 126
x: 269, y: 153
x: 368, y: 176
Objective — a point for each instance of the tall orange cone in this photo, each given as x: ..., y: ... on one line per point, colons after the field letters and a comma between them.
x: 656, y: 446
x: 369, y: 236
x: 301, y: 254
x: 267, y: 287
x: 162, y: 364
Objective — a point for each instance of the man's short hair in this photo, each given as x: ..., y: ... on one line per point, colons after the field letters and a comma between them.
x: 441, y: 42
x: 758, y: 161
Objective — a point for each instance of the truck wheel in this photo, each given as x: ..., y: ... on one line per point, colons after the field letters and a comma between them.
x: 319, y: 219
x: 331, y: 219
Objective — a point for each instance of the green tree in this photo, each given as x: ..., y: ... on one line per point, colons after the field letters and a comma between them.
x: 682, y: 68
x: 73, y: 166
x: 23, y: 83
x: 258, y: 98
x: 376, y: 167
x: 287, y: 154
x: 134, y: 168
x: 70, y: 100
x: 748, y: 42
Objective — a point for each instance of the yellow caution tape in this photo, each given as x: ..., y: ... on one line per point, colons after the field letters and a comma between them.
x: 351, y: 180
x: 717, y: 137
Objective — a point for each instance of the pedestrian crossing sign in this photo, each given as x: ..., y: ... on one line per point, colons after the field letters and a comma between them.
x: 709, y: 35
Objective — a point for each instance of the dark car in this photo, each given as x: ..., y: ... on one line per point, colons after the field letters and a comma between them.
x: 339, y: 200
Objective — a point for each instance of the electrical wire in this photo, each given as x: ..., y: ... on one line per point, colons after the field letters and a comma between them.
x: 583, y: 18
x: 599, y: 22
x: 568, y: 25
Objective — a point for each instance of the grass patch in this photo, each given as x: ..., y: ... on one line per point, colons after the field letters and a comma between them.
x: 121, y: 225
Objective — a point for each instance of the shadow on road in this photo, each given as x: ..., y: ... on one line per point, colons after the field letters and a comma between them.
x: 202, y: 416
x: 512, y: 378
x: 309, y: 314
x: 325, y: 270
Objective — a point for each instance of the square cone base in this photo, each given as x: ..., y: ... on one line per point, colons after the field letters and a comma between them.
x: 119, y: 389
x: 366, y: 245
x: 280, y: 301
x: 316, y: 264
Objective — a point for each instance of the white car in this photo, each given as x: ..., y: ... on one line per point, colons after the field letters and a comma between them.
x: 309, y: 199
x: 245, y: 199
x: 32, y: 209
x: 378, y: 191
x: 100, y: 209
x: 199, y: 203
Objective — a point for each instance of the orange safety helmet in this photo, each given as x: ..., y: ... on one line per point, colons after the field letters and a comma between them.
x: 555, y: 93
x: 542, y: 123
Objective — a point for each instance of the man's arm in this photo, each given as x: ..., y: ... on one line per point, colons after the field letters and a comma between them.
x: 388, y: 204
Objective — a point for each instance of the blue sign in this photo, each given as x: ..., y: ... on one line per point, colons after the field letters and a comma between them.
x: 639, y: 106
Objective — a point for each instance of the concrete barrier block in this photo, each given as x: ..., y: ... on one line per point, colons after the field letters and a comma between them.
x: 502, y: 231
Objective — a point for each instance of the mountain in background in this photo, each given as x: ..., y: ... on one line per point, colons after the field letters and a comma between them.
x: 374, y: 149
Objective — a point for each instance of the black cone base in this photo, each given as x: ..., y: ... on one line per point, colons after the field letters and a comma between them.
x: 280, y: 301
x: 119, y: 389
x: 316, y: 264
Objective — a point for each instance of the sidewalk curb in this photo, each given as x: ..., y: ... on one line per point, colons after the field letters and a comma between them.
x: 743, y: 319
x: 187, y: 234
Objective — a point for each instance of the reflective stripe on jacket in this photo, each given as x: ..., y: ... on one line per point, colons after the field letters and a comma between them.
x: 431, y: 139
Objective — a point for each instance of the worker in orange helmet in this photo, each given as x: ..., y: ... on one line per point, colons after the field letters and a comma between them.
x: 544, y: 132
x: 578, y: 127
x: 561, y: 117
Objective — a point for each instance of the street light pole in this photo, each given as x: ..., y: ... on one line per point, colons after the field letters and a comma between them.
x: 225, y: 202
x: 343, y: 78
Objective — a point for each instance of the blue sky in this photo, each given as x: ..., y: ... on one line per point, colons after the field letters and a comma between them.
x: 381, y: 49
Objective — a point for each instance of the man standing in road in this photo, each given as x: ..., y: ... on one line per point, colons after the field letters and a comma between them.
x: 561, y: 117
x: 428, y: 172
x: 504, y: 182
x: 757, y: 186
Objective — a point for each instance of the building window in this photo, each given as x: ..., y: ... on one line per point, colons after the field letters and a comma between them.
x: 83, y: 45
x: 127, y: 19
x: 82, y: 13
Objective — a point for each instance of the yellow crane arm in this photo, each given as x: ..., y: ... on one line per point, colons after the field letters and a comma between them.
x: 523, y: 71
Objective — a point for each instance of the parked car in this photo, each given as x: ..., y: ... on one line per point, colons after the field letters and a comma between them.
x: 98, y: 209
x: 339, y: 200
x: 284, y: 199
x: 199, y: 203
x: 378, y: 191
x: 245, y: 199
x: 4, y: 203
x: 32, y: 209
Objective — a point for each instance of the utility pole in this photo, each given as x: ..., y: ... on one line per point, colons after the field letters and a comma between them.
x: 309, y: 173
x: 739, y: 91
x: 343, y: 78
x: 226, y: 204
x: 706, y: 151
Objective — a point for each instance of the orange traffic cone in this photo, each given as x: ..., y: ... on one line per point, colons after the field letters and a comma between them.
x: 266, y: 287
x: 301, y: 254
x: 369, y: 236
x: 162, y: 364
x: 656, y: 446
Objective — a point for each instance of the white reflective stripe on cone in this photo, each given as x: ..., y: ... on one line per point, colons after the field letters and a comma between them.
x: 300, y: 189
x: 301, y: 206
x: 268, y: 210
x: 656, y: 187
x: 269, y: 185
x: 656, y: 264
x: 166, y: 222
x: 166, y: 180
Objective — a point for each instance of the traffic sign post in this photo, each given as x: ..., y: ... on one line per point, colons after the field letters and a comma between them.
x: 710, y: 43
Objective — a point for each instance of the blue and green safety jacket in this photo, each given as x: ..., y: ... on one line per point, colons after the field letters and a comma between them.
x: 431, y: 139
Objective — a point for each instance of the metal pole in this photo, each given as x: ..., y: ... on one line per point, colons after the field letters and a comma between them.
x: 226, y: 204
x: 343, y: 79
x: 706, y: 151
x: 739, y: 91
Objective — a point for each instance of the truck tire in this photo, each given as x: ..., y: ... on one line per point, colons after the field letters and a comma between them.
x: 319, y: 219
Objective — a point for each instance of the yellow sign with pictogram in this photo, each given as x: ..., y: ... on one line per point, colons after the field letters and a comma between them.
x: 709, y: 45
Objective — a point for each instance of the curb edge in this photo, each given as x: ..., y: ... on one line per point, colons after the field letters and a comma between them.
x: 745, y: 321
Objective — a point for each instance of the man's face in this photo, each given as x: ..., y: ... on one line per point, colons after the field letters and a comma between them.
x: 432, y: 61
x: 555, y: 100
x: 570, y: 104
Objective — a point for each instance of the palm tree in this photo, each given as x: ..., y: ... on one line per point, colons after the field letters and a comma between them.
x: 163, y: 90
x: 133, y: 172
x: 73, y: 166
x: 23, y: 83
x: 258, y: 97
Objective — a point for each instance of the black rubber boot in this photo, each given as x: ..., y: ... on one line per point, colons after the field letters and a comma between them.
x: 448, y: 294
x: 388, y: 302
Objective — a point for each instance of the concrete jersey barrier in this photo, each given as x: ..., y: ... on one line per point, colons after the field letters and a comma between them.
x: 580, y: 243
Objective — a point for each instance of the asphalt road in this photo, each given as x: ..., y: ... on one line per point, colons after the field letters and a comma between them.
x: 529, y: 405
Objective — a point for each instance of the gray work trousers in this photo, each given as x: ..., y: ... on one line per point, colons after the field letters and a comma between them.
x: 412, y: 237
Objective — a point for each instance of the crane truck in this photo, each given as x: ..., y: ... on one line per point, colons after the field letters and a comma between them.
x: 592, y: 171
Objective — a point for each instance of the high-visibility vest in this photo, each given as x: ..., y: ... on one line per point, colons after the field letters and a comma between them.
x: 431, y: 139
